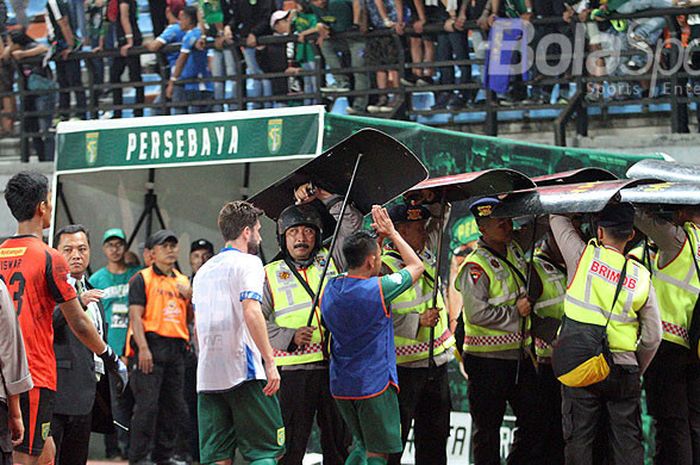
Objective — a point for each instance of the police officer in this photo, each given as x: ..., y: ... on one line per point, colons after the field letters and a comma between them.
x: 549, y: 308
x: 633, y: 332
x: 291, y: 283
x: 424, y: 397
x: 497, y: 342
x: 672, y: 381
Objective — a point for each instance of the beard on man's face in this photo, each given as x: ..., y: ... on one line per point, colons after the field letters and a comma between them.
x: 253, y: 247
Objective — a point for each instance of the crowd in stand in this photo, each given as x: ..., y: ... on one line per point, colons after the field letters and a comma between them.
x: 423, y: 33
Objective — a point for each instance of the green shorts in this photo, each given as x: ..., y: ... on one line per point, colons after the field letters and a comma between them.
x: 375, y: 422
x: 243, y: 418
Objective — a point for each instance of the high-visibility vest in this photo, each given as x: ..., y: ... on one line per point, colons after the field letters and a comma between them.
x: 504, y: 289
x: 551, y: 303
x: 646, y: 258
x: 292, y: 303
x: 590, y: 295
x: 418, y: 299
x: 677, y: 287
x: 165, y: 313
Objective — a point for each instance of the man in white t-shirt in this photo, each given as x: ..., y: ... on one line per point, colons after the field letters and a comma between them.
x: 236, y: 375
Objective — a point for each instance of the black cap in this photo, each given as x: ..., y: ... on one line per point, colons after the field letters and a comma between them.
x: 403, y: 213
x: 483, y: 207
x: 159, y: 237
x: 202, y: 244
x: 617, y: 215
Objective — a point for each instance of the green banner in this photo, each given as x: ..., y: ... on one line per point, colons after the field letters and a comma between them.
x: 187, y: 139
x: 447, y: 152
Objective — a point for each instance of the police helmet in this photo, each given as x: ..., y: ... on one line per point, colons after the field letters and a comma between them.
x: 299, y: 215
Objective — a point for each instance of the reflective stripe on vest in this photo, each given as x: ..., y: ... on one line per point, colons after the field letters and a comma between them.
x: 292, y: 304
x: 504, y: 289
x: 591, y: 292
x: 551, y: 302
x: 417, y: 299
x: 677, y: 288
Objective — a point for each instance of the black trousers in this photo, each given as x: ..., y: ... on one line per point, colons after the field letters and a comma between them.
x: 68, y: 75
x: 71, y: 434
x: 424, y: 399
x: 304, y: 394
x: 115, y: 77
x: 492, y: 384
x: 549, y: 390
x: 159, y: 406
x: 618, y: 397
x: 672, y: 385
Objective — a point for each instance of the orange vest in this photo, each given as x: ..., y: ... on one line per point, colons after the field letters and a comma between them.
x: 166, y: 310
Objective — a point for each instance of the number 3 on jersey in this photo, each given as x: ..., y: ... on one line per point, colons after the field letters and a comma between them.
x: 16, y: 279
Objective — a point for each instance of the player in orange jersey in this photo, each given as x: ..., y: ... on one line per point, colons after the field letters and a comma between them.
x: 36, y: 276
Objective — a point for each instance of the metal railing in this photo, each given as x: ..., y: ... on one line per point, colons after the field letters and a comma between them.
x: 576, y: 108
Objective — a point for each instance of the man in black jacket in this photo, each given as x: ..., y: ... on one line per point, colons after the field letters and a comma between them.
x: 78, y: 368
x: 250, y: 19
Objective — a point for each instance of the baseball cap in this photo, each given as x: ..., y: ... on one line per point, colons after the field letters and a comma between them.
x: 278, y: 15
x: 617, y: 215
x: 159, y: 237
x: 403, y: 213
x: 112, y: 233
x: 176, y: 6
x: 202, y: 244
x: 483, y: 207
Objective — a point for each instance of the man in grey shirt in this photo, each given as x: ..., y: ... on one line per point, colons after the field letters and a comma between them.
x: 497, y: 356
x: 672, y: 382
x: 14, y: 377
x: 290, y: 284
x: 591, y: 267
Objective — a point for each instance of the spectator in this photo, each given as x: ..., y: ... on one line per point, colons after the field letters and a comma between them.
x: 582, y: 11
x: 191, y: 65
x: 250, y: 20
x: 76, y: 12
x: 305, y: 23
x: 157, y: 351
x: 513, y: 9
x: 339, y: 16
x: 549, y: 9
x: 158, y: 16
x: 37, y: 78
x: 78, y: 368
x: 131, y: 259
x: 128, y: 36
x: 61, y: 33
x: 279, y: 57
x: 453, y: 44
x: 97, y: 29
x: 644, y: 35
x: 171, y: 35
x: 384, y: 50
x: 113, y: 279
x: 221, y: 60
x: 422, y: 45
x: 15, y: 379
x: 7, y: 100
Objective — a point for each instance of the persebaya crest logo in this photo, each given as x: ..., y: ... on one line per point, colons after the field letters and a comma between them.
x: 91, y: 139
x: 274, y: 135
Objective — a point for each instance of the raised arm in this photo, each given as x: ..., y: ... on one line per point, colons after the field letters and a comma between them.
x: 385, y: 228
